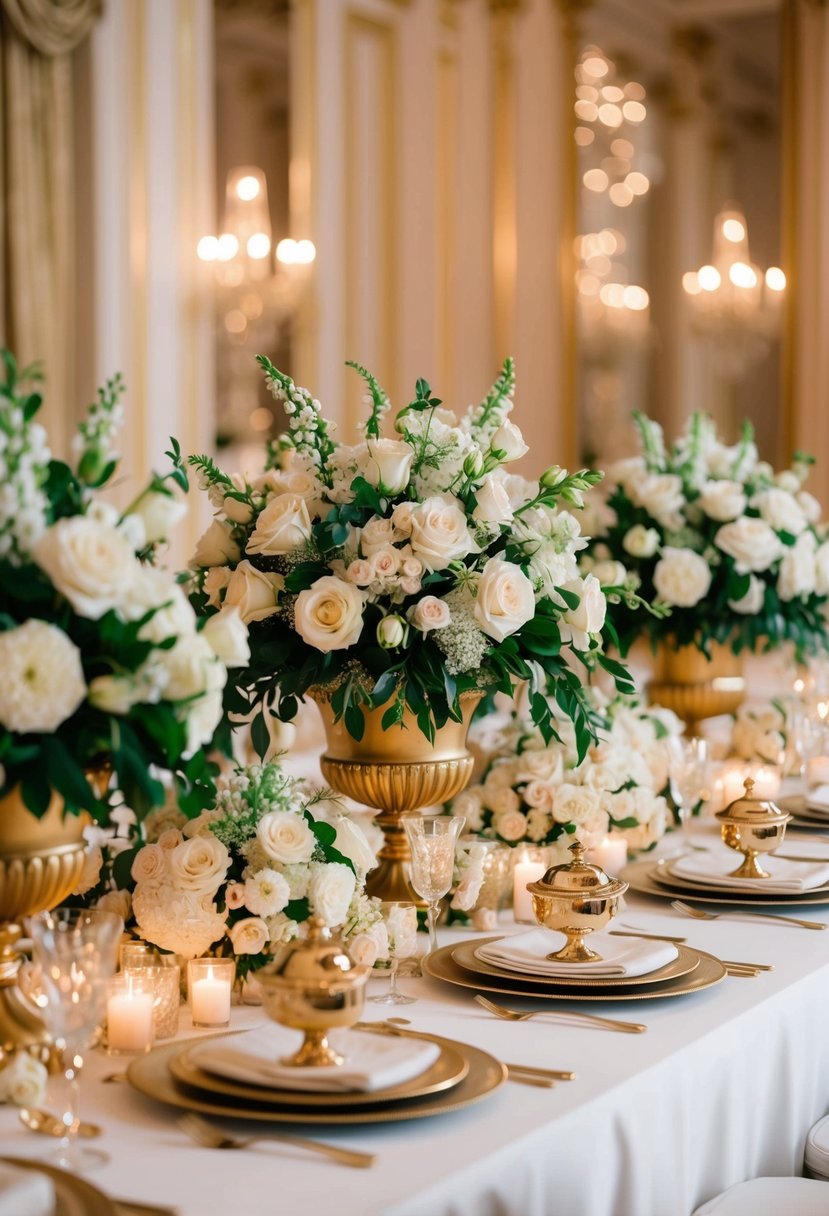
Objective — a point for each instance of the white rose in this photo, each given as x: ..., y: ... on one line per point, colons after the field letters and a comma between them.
x: 93, y: 859
x: 510, y: 825
x: 169, y: 838
x: 439, y: 532
x: 577, y: 624
x: 681, y: 577
x: 640, y: 541
x: 328, y: 615
x: 809, y: 505
x: 42, y: 681
x: 492, y: 504
x: 266, y: 892
x: 468, y: 806
x: 23, y: 1081
x: 192, y: 669
x: 505, y: 599
x: 254, y: 592
x: 237, y: 511
x: 539, y: 794
x: 388, y: 463
x: 627, y: 472
x: 752, y: 602
x: 429, y: 613
x: 119, y: 902
x: 797, y: 569
x: 365, y: 948
x: 661, y: 495
x: 752, y: 544
x: 822, y: 569
x: 216, y: 546
x: 378, y: 533
x: 360, y: 572
x: 249, y: 936
x: 609, y: 573
x: 90, y: 564
x: 330, y: 892
x: 780, y: 510
x: 227, y: 636
x: 284, y: 525
x: 215, y: 581
x: 159, y: 512
x: 509, y: 440
x: 149, y: 866
x: 539, y: 765
x: 286, y: 837
x: 503, y: 800
x: 351, y: 841
x: 385, y: 561
x: 722, y: 500
x: 199, y: 865
x: 574, y: 803
x: 201, y: 718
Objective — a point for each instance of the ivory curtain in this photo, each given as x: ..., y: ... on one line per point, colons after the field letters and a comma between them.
x: 37, y: 38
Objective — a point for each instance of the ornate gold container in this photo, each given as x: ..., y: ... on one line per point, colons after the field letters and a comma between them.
x: 694, y: 686
x: 399, y: 771
x: 315, y: 986
x: 751, y: 826
x: 576, y: 899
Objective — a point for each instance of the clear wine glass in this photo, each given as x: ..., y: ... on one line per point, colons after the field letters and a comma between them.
x: 687, y: 767
x: 432, y: 843
x: 400, y: 917
x: 75, y: 951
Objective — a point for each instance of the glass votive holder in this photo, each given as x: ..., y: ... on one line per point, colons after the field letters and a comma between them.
x: 165, y: 982
x: 209, y: 988
x: 130, y: 954
x: 130, y: 1012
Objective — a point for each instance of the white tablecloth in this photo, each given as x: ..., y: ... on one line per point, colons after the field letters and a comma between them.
x: 724, y: 1086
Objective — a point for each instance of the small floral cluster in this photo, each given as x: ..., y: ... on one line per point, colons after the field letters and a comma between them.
x: 24, y: 465
x: 245, y: 875
x: 759, y: 733
x: 732, y: 548
x: 543, y: 793
x: 403, y: 572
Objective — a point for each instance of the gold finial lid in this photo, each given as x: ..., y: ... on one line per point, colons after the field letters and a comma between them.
x: 750, y: 810
x: 577, y: 877
x: 319, y: 959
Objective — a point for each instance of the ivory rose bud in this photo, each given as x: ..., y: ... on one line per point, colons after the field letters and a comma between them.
x: 401, y: 517
x: 235, y: 896
x: 752, y: 543
x: 254, y: 593
x: 249, y: 936
x: 199, y: 865
x: 439, y: 532
x: 352, y: 842
x: 329, y: 614
x: 505, y: 599
x: 284, y: 525
x: 286, y: 837
x: 640, y: 541
x: 330, y: 892
x: 492, y: 505
x: 227, y: 636
x: 215, y: 582
x: 392, y: 632
x: 388, y: 464
x: 577, y: 624
x: 429, y: 613
x: 681, y: 577
x: 722, y: 500
x: 90, y: 564
x: 216, y: 547
x: 360, y: 572
x: 509, y: 440
x: 385, y: 562
x: 159, y: 513
x: 752, y: 602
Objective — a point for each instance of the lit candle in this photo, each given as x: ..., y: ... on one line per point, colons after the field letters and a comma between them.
x: 817, y: 771
x: 522, y: 902
x: 210, y: 982
x: 732, y: 780
x: 129, y: 1015
x: 766, y: 780
x: 611, y: 854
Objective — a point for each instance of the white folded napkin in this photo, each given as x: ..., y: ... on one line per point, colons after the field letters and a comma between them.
x: 25, y: 1191
x: 528, y: 952
x: 712, y: 867
x: 817, y: 800
x: 372, y: 1061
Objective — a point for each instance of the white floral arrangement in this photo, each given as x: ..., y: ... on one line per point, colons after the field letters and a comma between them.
x: 759, y: 733
x: 542, y: 794
x: 23, y: 1080
x: 732, y: 548
x: 243, y: 877
x: 402, y: 572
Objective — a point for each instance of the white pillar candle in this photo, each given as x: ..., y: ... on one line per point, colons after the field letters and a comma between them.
x: 130, y: 1019
x: 522, y: 902
x: 766, y: 780
x: 210, y: 997
x: 611, y: 854
x: 733, y: 779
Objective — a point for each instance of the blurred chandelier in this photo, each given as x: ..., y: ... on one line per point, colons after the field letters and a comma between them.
x: 735, y: 307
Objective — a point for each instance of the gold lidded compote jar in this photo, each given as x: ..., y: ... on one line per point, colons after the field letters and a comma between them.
x: 576, y: 899
x: 315, y: 986
x: 750, y: 826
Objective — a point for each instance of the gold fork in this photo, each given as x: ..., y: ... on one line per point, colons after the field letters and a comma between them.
x: 512, y: 1015
x: 698, y: 914
x: 207, y: 1136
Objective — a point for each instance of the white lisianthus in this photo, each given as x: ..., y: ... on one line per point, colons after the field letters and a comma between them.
x: 216, y: 546
x: 149, y: 866
x: 266, y: 892
x: 199, y: 865
x: 283, y: 525
x: 429, y: 613
x: 227, y: 636
x: 681, y: 577
x: 661, y: 495
x: 492, y: 504
x: 722, y: 500
x: 574, y: 803
x: 752, y: 543
x: 352, y: 842
x: 752, y: 602
x: 640, y: 541
x: 23, y: 1080
x: 780, y: 510
x: 797, y: 569
x: 330, y: 892
x: 90, y: 564
x: 505, y: 599
x: 215, y: 582
x: 286, y: 837
x: 439, y: 532
x: 254, y: 592
x: 249, y: 936
x: 42, y: 678
x: 159, y: 513
x: 329, y: 614
x: 509, y: 440
x: 577, y: 624
x: 388, y: 464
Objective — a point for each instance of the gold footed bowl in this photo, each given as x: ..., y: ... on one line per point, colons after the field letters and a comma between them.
x: 398, y: 771
x: 694, y: 686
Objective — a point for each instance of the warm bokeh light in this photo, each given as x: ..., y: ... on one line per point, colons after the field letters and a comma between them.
x: 247, y: 188
x: 607, y: 240
x: 620, y: 194
x: 587, y: 92
x: 208, y: 249
x: 733, y: 230
x: 775, y: 279
x: 584, y: 136
x: 612, y: 92
x: 226, y: 247
x: 586, y: 110
x: 622, y: 148
x: 708, y: 278
x: 610, y: 115
x: 635, y: 91
x: 587, y: 284
x: 742, y: 275
x: 636, y: 298
x: 634, y: 111
x: 613, y: 295
x: 261, y: 419
x: 259, y: 245
x: 594, y: 65
x: 690, y: 283
x: 235, y: 321
x: 295, y: 253
x: 596, y: 180
x: 637, y: 183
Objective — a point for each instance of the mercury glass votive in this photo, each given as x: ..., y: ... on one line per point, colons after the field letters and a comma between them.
x: 165, y: 984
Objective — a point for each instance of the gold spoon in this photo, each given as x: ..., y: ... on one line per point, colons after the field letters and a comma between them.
x: 47, y: 1124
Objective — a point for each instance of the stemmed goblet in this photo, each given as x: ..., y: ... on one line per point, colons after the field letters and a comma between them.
x: 75, y: 952
x: 432, y: 843
x: 400, y: 917
x: 687, y: 767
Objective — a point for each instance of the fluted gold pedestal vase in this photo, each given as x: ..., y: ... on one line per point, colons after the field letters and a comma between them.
x: 398, y: 771
x: 696, y: 687
x: 40, y: 864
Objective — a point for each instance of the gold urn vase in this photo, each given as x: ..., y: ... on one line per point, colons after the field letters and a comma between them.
x: 40, y: 864
x: 398, y: 771
x: 694, y: 686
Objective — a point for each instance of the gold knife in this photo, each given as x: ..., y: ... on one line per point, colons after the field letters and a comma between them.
x: 653, y: 937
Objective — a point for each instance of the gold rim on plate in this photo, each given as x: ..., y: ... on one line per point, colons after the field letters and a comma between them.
x: 638, y: 876
x: 74, y: 1196
x: 448, y: 1070
x: 150, y: 1075
x: 441, y: 966
x: 665, y: 877
x: 465, y: 956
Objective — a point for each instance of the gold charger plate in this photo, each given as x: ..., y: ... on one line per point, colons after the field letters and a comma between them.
x: 441, y: 966
x: 638, y: 876
x: 665, y: 878
x: 150, y: 1075
x: 74, y: 1196
x: 448, y: 1070
x: 687, y: 960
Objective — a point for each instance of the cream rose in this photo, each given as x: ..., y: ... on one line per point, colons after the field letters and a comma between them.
x: 216, y: 546
x: 365, y: 948
x: 681, y: 577
x: 509, y: 440
x: 215, y: 581
x: 640, y: 541
x: 328, y: 615
x: 797, y: 569
x: 253, y: 592
x: 90, y: 564
x: 539, y: 794
x: 387, y: 464
x: 149, y: 866
x: 509, y: 825
x: 752, y: 543
x: 249, y: 936
x: 199, y: 865
x: 235, y: 896
x: 286, y: 837
x: 385, y: 561
x: 577, y: 624
x: 330, y: 892
x: 780, y: 510
x: 378, y: 533
x: 429, y: 613
x: 42, y: 680
x: 359, y: 572
x: 468, y: 806
x: 752, y: 602
x: 284, y: 525
x: 505, y: 599
x: 192, y: 669
x: 23, y: 1081
x: 439, y: 532
x: 492, y: 504
x: 227, y: 636
x: 352, y: 842
x: 660, y: 494
x: 609, y: 573
x: 574, y: 803
x: 822, y: 569
x: 722, y: 500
